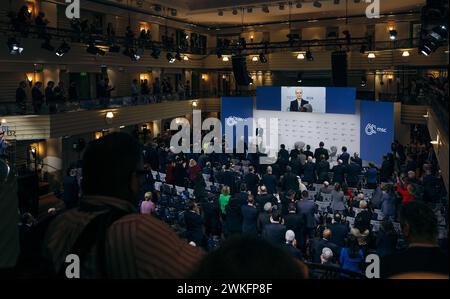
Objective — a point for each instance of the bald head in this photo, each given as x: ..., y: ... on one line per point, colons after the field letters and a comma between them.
x: 326, y: 234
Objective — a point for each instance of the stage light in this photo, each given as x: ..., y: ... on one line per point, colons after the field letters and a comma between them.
x: 170, y: 58
x: 427, y: 47
x: 109, y: 115
x: 156, y: 52
x: 63, y: 49
x: 393, y: 34
x: 265, y: 9
x: 300, y: 56
x: 262, y: 58
x: 114, y: 49
x: 371, y: 55
x: 47, y: 46
x: 14, y: 46
x: 92, y: 49
x: 309, y: 56
x: 298, y: 5
x: 255, y: 58
x: 317, y: 4
x: 225, y: 59
x: 405, y: 53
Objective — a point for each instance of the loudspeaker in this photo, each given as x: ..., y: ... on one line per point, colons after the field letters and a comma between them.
x: 339, y: 68
x: 240, y: 70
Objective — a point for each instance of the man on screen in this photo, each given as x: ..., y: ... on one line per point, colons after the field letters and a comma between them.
x: 298, y: 105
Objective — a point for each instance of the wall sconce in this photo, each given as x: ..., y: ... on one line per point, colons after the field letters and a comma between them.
x: 186, y: 58
x: 194, y: 104
x: 371, y: 55
x: 390, y: 77
x: 98, y: 135
x: 109, y: 117
x: 252, y: 37
x: 33, y: 151
x: 30, y: 78
x: 300, y: 56
x: 225, y: 59
x: 405, y: 54
x: 255, y: 58
x: 204, y: 77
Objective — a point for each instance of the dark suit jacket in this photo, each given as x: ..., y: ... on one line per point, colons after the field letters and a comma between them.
x: 321, y: 151
x: 262, y: 199
x: 274, y: 233
x: 345, y: 158
x: 194, y: 223
x: 339, y: 171
x: 353, y: 171
x: 270, y: 181
x: 309, y: 173
x: 249, y: 216
x: 294, y: 105
x: 319, y: 245
x: 290, y: 182
x: 296, y: 223
x: 228, y: 178
x: 323, y: 167
x: 307, y: 209
x: 252, y: 181
x: 293, y: 250
x: 339, y: 232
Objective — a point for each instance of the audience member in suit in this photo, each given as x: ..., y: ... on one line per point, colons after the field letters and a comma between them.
x: 429, y: 183
x: 299, y: 103
x: 307, y: 208
x: 289, y: 181
x: 371, y: 176
x: 308, y: 152
x: 356, y: 159
x: 388, y: 204
x: 291, y: 244
x: 295, y: 222
x: 377, y: 198
x: 233, y: 221
x: 264, y: 217
x: 211, y: 216
x: 296, y: 165
x: 263, y: 197
x: 249, y: 217
x: 270, y: 181
x: 194, y: 225
x: 323, y: 168
x: 386, y: 239
x: 318, y: 245
x: 283, y: 157
x: 251, y: 180
x: 339, y: 230
x: 242, y: 196
x: 229, y: 178
x: 353, y: 173
x: 345, y: 157
x: 286, y: 199
x: 309, y: 171
x: 339, y: 171
x: 361, y: 226
x: 337, y: 199
x: 321, y: 151
x: 275, y: 231
x: 387, y: 170
x: 180, y: 173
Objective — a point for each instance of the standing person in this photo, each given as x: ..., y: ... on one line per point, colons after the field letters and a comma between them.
x: 309, y: 171
x: 37, y: 97
x: 21, y: 98
x: 224, y: 199
x: 134, y: 91
x: 71, y: 189
x: 249, y: 216
x: 321, y: 151
x: 356, y: 159
x: 296, y: 223
x: 194, y: 225
x: 323, y: 168
x: 145, y: 90
x: 352, y: 256
x: 386, y: 239
x: 73, y: 93
x: 270, y: 181
x: 372, y: 176
x: 180, y: 90
x: 291, y: 244
x: 251, y: 180
x: 275, y: 231
x: 148, y: 206
x: 339, y: 171
x: 187, y: 89
x: 345, y: 157
x: 108, y: 90
x: 337, y: 199
x: 157, y: 90
x: 306, y: 208
x: 50, y: 98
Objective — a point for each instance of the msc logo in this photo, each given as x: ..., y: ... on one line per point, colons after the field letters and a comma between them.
x: 372, y: 129
x: 233, y: 120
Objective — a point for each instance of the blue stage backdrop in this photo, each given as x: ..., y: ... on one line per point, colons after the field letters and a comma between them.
x: 377, y: 130
x: 268, y: 98
x: 341, y: 100
x: 234, y: 111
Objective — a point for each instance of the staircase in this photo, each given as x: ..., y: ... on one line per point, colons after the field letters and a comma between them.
x: 414, y: 114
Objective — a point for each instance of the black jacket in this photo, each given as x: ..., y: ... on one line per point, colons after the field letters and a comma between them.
x: 321, y: 151
x: 290, y: 182
x: 339, y: 232
x: 275, y: 233
x: 270, y: 181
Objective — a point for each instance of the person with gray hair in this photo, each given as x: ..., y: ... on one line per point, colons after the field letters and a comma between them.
x: 291, y: 245
x: 327, y: 256
x: 264, y: 217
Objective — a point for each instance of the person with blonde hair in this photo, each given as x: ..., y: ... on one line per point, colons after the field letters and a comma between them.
x: 148, y: 206
x: 194, y: 170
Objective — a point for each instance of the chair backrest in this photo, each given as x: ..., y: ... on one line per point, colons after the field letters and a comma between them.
x: 180, y: 189
x: 158, y: 186
x: 154, y: 174
x: 162, y: 177
x: 326, y: 197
